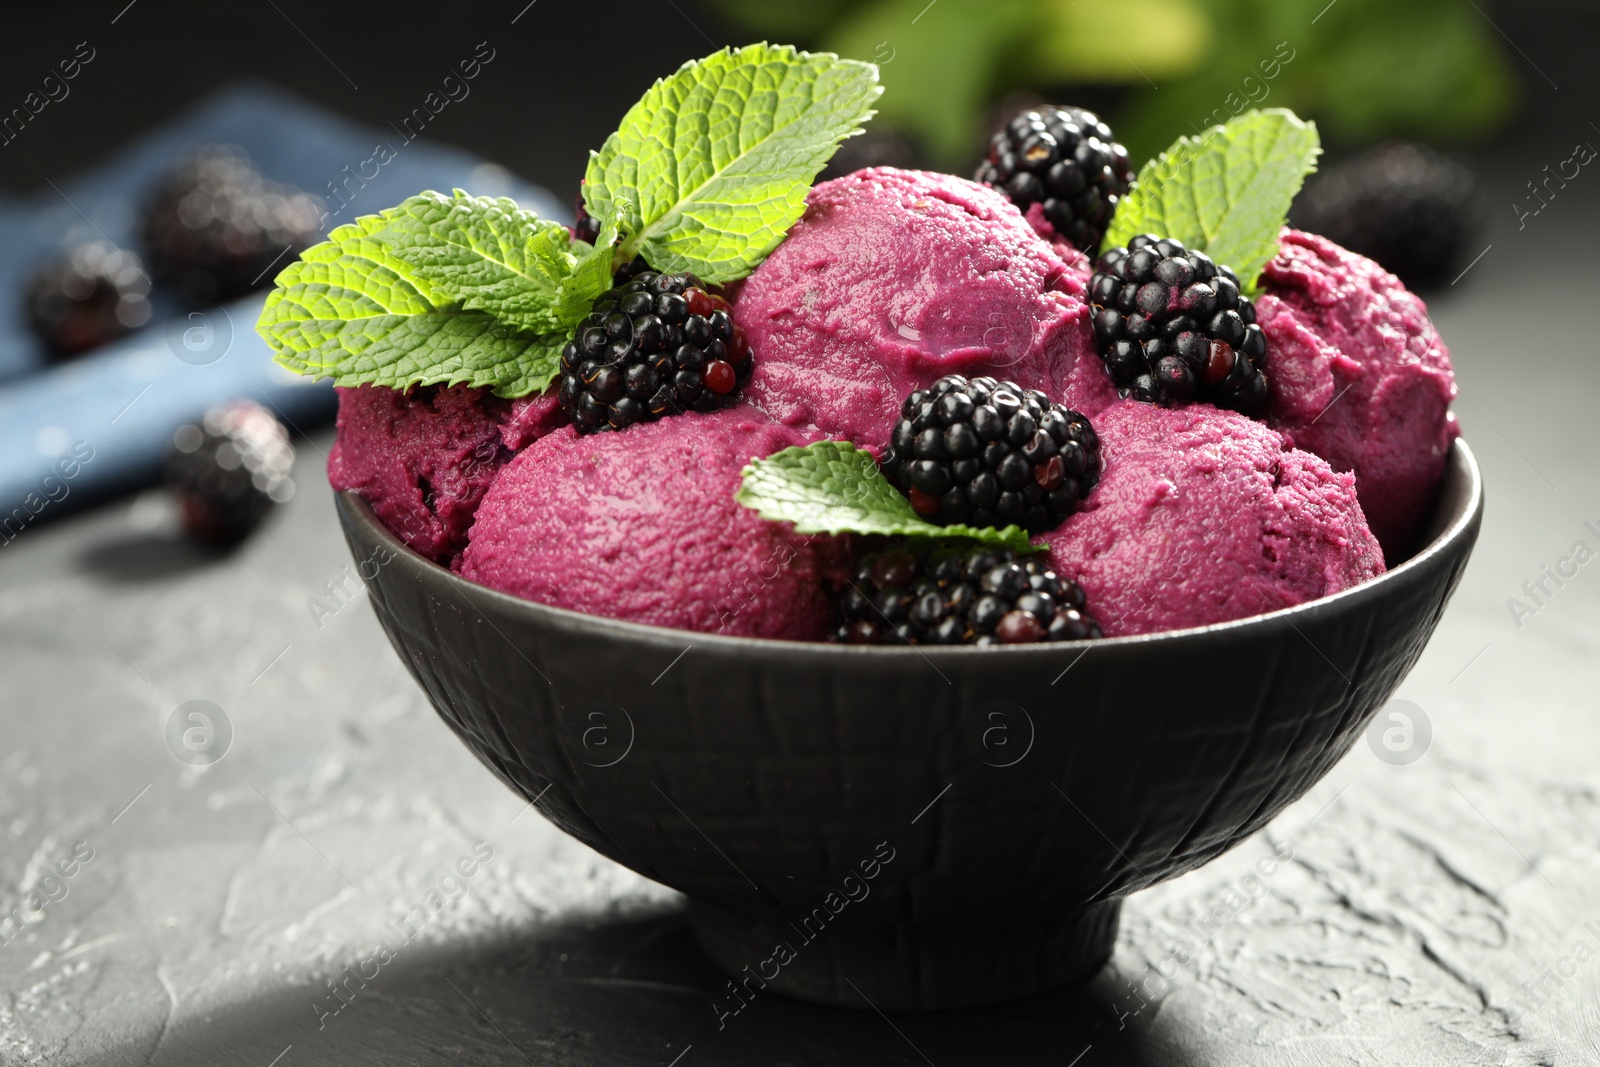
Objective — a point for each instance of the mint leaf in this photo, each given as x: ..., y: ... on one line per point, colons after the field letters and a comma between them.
x: 485, y: 253
x: 835, y: 487
x: 706, y: 174
x: 356, y: 309
x: 1225, y: 192
x: 715, y: 160
x: 591, y: 276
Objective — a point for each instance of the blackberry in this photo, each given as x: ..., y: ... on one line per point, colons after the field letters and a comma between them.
x: 633, y: 268
x: 91, y: 294
x: 960, y: 596
x: 1065, y: 159
x: 991, y: 453
x: 1404, y: 205
x: 1172, y: 326
x: 657, y: 344
x: 215, y: 228
x: 229, y: 471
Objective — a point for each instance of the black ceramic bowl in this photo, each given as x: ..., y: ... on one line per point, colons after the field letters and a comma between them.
x: 914, y: 828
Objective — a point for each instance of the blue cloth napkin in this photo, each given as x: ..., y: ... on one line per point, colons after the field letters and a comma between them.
x: 81, y: 431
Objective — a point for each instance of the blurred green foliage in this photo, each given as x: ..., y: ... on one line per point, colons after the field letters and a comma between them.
x: 1431, y: 70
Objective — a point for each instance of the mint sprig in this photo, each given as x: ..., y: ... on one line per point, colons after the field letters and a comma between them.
x: 834, y: 487
x: 441, y: 288
x: 715, y: 161
x: 1226, y: 192
x: 488, y: 254
x: 706, y: 174
x: 359, y: 309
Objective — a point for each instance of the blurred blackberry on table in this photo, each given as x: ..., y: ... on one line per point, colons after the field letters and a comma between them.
x: 1065, y: 159
x: 1408, y: 207
x: 1172, y: 326
x: 87, y: 296
x: 909, y: 594
x: 215, y: 229
x: 229, y: 471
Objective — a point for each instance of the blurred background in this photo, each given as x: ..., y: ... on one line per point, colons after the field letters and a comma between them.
x: 1441, y: 71
x: 218, y: 900
x: 309, y: 96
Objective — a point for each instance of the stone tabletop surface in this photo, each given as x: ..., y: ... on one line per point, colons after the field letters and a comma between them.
x: 1433, y: 901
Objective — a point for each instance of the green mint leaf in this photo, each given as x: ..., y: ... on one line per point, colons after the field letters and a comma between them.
x: 715, y: 160
x: 1225, y: 192
x: 835, y: 487
x: 590, y: 277
x: 355, y: 309
x: 485, y: 253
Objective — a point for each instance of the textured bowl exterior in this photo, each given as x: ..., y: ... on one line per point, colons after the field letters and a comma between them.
x: 962, y: 822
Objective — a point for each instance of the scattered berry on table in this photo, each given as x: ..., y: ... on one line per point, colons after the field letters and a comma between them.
x: 215, y: 229
x: 1405, y: 205
x: 229, y: 471
x: 656, y: 345
x: 990, y: 453
x: 985, y: 596
x: 1065, y: 159
x: 87, y: 296
x: 1172, y: 326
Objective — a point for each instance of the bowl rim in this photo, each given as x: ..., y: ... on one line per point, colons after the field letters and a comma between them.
x: 354, y: 509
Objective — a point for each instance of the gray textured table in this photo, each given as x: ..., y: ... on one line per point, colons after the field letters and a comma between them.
x: 1442, y: 912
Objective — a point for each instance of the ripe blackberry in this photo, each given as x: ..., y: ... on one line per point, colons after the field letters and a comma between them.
x: 215, y: 228
x: 657, y: 344
x: 990, y: 453
x: 632, y: 269
x: 1404, y: 205
x: 229, y: 471
x: 86, y: 297
x: 1172, y: 326
x: 1065, y: 159
x: 960, y: 596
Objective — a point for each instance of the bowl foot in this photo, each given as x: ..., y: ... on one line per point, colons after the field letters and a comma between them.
x: 906, y: 967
